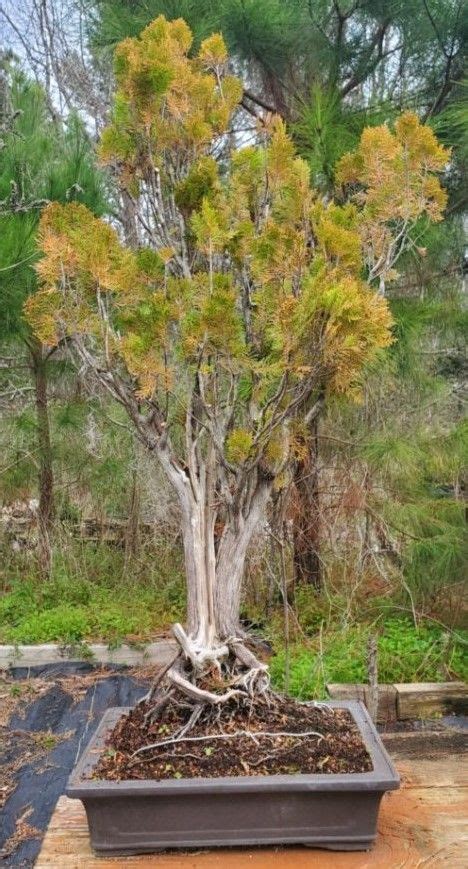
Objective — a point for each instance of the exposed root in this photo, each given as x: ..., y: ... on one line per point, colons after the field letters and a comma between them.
x: 258, y: 734
x: 190, y: 723
x: 200, y: 695
x: 257, y: 677
x: 152, y: 691
x: 321, y: 706
x: 158, y: 707
x: 256, y: 680
x: 245, y: 656
x: 211, y: 683
x: 199, y: 656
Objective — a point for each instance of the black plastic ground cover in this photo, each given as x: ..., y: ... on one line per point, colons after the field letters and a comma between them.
x: 40, y: 783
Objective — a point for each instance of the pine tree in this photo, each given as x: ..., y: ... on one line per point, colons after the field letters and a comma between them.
x: 41, y: 160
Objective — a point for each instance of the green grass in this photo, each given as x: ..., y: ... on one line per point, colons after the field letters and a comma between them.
x: 405, y: 654
x: 93, y: 595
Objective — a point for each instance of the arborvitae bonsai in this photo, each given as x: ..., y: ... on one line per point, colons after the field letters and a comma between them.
x: 245, y: 304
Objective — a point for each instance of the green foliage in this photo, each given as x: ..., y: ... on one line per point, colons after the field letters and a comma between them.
x: 451, y: 125
x: 89, y: 597
x: 40, y: 160
x: 293, y: 45
x: 198, y: 184
x: 408, y: 441
x: 122, y: 18
x: 101, y: 469
x: 439, y: 555
x: 405, y: 654
x: 238, y: 445
x: 325, y: 131
x: 265, y: 31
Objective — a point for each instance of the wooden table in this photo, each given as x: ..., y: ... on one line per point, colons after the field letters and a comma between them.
x: 422, y: 826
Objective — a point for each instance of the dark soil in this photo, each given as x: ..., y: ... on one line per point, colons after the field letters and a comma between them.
x: 335, y: 747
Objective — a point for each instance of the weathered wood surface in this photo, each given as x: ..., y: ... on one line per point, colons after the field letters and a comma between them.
x: 409, y: 701
x: 422, y: 825
x: 386, y: 709
x: 425, y: 699
x: 429, y: 745
x: 159, y: 652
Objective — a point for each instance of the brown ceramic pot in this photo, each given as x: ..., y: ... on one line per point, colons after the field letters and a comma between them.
x: 337, y: 811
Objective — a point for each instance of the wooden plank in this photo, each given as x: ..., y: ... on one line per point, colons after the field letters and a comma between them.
x: 159, y: 652
x: 420, y: 825
x: 386, y: 710
x: 422, y: 745
x: 426, y: 699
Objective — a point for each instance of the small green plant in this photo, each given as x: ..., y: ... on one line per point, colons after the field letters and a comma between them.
x: 88, y: 597
x: 405, y: 654
x: 46, y: 740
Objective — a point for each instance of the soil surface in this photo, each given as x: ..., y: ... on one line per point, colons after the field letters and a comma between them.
x: 283, y: 737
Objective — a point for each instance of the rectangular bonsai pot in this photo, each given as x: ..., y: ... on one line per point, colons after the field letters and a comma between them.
x: 337, y: 811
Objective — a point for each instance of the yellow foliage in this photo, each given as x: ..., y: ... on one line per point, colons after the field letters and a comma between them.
x: 213, y: 51
x: 277, y: 449
x: 337, y: 235
x: 166, y: 99
x: 396, y: 184
x: 251, y: 280
x: 238, y: 445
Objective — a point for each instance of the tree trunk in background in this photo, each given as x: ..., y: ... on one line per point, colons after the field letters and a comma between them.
x: 46, y: 477
x: 306, y: 524
x: 133, y: 524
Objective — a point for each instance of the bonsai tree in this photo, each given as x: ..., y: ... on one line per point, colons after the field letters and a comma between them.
x: 391, y: 180
x: 245, y: 303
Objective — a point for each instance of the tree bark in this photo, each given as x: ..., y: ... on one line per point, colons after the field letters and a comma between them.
x: 306, y: 524
x: 198, y: 539
x: 230, y: 564
x: 46, y: 477
x: 213, y: 574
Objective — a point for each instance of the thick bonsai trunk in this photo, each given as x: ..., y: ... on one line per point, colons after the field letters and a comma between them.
x: 231, y: 563
x: 200, y: 565
x: 215, y: 572
x: 213, y: 663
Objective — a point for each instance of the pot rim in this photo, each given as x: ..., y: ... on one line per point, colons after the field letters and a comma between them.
x: 383, y: 776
